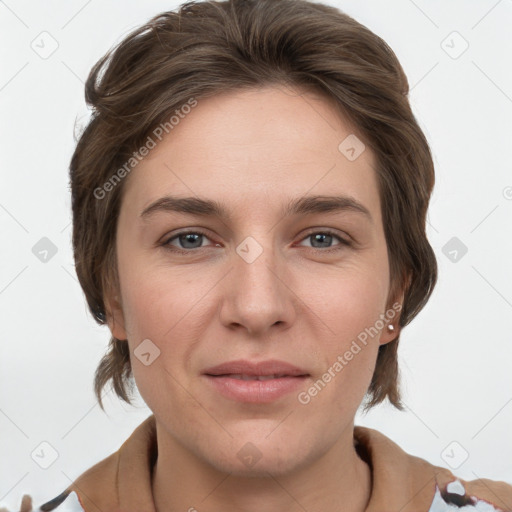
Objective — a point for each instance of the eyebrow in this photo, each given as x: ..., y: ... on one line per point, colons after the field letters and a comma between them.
x: 303, y: 206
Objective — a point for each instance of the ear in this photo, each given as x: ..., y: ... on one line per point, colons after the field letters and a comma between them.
x: 115, y: 317
x: 387, y: 334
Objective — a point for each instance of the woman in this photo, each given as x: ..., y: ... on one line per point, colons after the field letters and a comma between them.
x: 249, y: 205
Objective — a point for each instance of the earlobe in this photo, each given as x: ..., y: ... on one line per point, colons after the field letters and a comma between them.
x: 389, y: 333
x: 392, y: 328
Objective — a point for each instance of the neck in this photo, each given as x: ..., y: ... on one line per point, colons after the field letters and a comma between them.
x: 338, y: 481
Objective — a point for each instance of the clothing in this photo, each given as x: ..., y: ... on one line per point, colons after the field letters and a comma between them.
x: 400, y: 482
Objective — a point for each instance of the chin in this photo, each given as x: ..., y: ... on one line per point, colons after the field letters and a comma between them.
x: 268, y: 465
x: 253, y: 456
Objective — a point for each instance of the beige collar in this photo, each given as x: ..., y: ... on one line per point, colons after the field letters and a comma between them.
x: 122, y: 481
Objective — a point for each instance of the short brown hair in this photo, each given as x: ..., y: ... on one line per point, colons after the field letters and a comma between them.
x: 210, y: 47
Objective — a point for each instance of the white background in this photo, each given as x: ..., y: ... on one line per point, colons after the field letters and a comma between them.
x: 456, y: 355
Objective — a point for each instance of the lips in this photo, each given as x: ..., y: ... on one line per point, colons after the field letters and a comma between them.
x: 255, y: 382
x: 241, y: 376
x: 272, y: 368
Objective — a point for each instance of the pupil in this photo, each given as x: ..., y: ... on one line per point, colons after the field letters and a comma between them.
x: 321, y: 237
x: 190, y: 238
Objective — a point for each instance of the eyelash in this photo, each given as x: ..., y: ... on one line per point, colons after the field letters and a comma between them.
x: 343, y: 243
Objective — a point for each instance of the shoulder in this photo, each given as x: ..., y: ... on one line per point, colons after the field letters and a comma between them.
x: 98, y: 484
x: 484, y: 495
x: 121, y: 481
x: 407, y: 483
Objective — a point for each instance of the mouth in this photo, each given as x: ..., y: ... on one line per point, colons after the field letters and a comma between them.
x: 258, y: 382
x: 241, y: 376
x: 271, y: 368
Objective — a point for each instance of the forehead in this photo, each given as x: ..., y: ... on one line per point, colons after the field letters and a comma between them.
x: 257, y: 147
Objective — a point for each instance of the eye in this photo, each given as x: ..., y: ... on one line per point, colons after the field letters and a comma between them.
x: 188, y: 240
x: 323, y: 240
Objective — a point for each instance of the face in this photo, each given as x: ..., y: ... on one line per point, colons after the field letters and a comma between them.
x: 256, y: 282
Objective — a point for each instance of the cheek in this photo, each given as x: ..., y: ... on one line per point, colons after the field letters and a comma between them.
x: 161, y: 313
x: 157, y: 298
x: 171, y: 310
x: 352, y: 310
x: 349, y: 304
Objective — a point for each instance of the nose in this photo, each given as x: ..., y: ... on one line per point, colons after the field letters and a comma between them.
x: 258, y: 294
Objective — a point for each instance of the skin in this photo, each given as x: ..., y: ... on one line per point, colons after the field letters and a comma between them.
x: 253, y: 151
